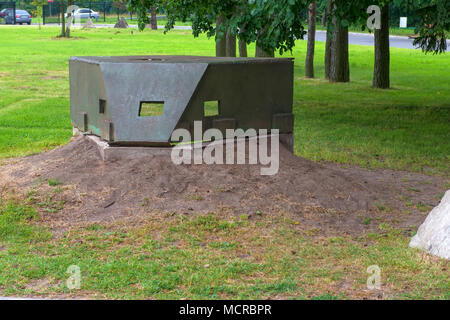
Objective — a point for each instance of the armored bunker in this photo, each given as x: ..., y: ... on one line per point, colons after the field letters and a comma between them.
x: 108, y: 96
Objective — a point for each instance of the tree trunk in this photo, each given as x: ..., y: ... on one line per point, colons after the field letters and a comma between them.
x: 231, y: 44
x: 153, y: 20
x: 328, y: 41
x: 69, y: 19
x: 382, y: 52
x: 339, y: 66
x: 63, y: 20
x: 242, y: 45
x: 309, y: 64
x: 69, y: 23
x: 221, y: 45
x: 259, y: 52
x: 39, y: 10
x: 242, y: 49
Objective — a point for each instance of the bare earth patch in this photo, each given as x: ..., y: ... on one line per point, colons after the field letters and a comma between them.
x: 325, y: 198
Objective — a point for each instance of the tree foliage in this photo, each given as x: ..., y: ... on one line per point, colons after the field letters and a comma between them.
x: 434, y: 23
x: 273, y: 25
x: 276, y: 24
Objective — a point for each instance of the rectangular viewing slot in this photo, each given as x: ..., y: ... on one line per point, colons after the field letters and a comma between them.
x: 101, y: 106
x: 211, y: 108
x: 151, y: 108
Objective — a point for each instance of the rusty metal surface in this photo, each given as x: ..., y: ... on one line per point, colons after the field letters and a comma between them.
x: 106, y: 94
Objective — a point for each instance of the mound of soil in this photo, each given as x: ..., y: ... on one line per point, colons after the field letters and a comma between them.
x: 122, y: 24
x: 317, y: 195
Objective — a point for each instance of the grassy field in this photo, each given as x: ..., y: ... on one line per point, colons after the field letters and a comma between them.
x: 209, y: 256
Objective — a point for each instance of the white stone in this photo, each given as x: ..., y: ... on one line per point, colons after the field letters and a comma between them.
x: 433, y: 235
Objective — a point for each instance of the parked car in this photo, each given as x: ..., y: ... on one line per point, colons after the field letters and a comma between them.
x: 3, y: 12
x: 84, y: 13
x: 22, y: 16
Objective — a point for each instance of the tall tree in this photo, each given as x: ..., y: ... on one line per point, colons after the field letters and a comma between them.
x: 339, y: 62
x: 63, y: 22
x: 209, y: 16
x: 242, y: 44
x: 69, y: 18
x: 38, y: 13
x: 263, y: 53
x: 342, y: 14
x: 153, y: 19
x: 433, y: 23
x: 309, y: 64
x: 242, y: 49
x: 221, y: 40
x: 273, y: 25
x: 231, y: 43
x: 381, y: 76
x: 329, y: 38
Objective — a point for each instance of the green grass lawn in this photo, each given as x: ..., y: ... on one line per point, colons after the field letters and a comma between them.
x: 209, y: 256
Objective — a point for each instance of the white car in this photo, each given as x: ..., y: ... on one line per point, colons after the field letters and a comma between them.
x: 84, y: 13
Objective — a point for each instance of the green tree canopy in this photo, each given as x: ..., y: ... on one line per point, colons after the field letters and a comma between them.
x: 273, y: 25
x: 276, y: 24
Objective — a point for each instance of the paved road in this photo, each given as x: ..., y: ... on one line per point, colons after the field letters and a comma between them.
x: 365, y: 39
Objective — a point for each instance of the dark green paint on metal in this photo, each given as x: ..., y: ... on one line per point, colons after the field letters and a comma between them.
x: 253, y: 93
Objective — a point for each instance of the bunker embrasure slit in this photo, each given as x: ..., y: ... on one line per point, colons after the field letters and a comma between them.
x: 211, y: 108
x: 101, y: 106
x: 151, y: 108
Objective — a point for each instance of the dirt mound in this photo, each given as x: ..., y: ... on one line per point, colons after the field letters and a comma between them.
x: 122, y: 24
x: 323, y: 196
